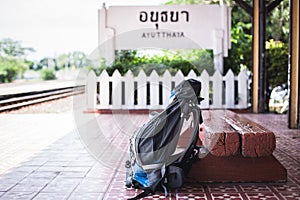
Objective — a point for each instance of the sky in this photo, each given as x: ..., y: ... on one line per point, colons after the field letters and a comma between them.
x: 54, y: 27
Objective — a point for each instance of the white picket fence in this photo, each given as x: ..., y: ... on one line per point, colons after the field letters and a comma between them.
x: 153, y: 92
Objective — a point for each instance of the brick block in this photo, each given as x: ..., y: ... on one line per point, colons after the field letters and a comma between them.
x: 221, y: 143
x: 219, y: 137
x: 258, y: 144
x: 256, y: 141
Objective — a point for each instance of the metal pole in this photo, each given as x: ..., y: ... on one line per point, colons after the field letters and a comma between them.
x: 262, y: 69
x: 255, y: 53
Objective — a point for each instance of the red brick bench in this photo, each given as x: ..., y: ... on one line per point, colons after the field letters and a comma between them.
x: 228, y: 134
x: 240, y: 150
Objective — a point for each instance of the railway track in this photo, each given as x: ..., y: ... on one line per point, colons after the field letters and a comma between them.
x: 16, y: 101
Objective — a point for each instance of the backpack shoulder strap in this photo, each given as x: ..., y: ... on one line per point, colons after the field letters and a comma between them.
x: 145, y: 193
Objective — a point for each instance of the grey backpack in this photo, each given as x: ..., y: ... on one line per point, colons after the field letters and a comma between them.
x: 157, y: 159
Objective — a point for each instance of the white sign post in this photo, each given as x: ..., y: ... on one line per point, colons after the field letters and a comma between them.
x: 165, y: 27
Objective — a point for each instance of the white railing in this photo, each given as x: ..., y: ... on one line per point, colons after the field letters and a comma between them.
x: 153, y: 92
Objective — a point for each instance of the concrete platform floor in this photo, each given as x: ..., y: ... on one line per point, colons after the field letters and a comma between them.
x: 54, y: 156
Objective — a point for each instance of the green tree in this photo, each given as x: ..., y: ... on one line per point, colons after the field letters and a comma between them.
x: 277, y: 54
x: 9, y: 47
x: 76, y: 59
x: 48, y: 74
x: 240, y: 54
x: 63, y: 61
x: 277, y: 25
x: 79, y: 59
x: 47, y: 62
x: 196, y: 60
x: 12, y: 60
x: 8, y: 70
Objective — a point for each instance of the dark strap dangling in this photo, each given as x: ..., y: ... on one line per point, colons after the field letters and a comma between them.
x: 142, y: 195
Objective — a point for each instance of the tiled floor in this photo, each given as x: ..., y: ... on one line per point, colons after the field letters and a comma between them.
x: 51, y: 157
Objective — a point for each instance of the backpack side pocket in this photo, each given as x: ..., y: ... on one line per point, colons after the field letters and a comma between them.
x: 175, y: 177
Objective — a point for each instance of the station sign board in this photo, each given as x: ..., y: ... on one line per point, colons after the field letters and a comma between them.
x: 165, y: 27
